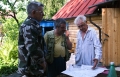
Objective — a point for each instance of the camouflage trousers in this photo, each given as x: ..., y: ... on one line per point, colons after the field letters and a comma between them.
x: 20, y: 75
x: 32, y: 76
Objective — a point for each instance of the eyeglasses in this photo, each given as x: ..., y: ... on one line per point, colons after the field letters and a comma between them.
x: 63, y: 27
x: 41, y: 12
x: 80, y: 26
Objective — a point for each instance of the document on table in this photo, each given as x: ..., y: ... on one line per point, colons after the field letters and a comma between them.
x: 83, y: 71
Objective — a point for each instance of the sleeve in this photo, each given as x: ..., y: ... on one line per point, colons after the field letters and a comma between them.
x: 45, y: 37
x: 77, y: 43
x: 97, y: 46
x: 32, y: 44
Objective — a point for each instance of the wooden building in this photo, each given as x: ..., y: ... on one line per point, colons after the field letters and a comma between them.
x: 104, y: 19
x: 80, y: 7
x: 110, y: 25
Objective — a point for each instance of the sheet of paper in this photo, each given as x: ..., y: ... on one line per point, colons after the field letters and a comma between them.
x: 117, y: 68
x: 83, y: 71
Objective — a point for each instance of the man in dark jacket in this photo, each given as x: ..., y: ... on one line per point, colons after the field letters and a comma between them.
x: 31, y: 43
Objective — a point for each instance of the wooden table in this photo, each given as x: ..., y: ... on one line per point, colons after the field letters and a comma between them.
x: 99, y: 75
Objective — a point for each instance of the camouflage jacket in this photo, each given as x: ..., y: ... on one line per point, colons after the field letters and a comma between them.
x: 31, y: 48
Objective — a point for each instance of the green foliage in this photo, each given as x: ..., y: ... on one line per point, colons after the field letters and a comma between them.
x: 12, y: 16
x: 10, y: 8
x: 51, y: 7
x: 9, y: 50
x: 10, y: 29
x: 6, y: 69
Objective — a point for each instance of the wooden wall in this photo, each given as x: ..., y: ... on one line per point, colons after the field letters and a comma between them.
x: 109, y: 22
x: 111, y: 26
x: 73, y: 28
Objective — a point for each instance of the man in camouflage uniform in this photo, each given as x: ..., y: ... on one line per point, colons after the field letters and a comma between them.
x: 31, y: 43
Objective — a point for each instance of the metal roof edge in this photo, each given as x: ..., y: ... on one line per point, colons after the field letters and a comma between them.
x: 104, y: 3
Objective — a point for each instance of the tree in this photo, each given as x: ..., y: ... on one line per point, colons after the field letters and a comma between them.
x: 14, y: 6
x: 51, y: 7
x: 11, y: 8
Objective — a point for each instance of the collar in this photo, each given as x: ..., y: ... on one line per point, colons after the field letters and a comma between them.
x: 38, y: 22
x: 88, y: 30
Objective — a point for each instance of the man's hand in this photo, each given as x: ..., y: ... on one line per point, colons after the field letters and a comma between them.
x: 95, y: 63
x: 43, y: 65
x: 69, y: 44
x: 67, y: 33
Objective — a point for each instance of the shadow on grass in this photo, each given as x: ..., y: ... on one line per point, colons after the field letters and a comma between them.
x: 6, y: 70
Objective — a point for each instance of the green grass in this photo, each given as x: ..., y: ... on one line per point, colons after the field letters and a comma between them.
x: 7, y: 68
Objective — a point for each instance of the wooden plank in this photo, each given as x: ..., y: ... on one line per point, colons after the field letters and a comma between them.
x: 72, y: 25
x: 103, y: 29
x: 110, y: 40
x: 118, y: 27
x: 105, y: 45
x: 117, y: 16
x: 100, y: 25
x: 73, y: 33
x: 95, y: 18
x: 114, y: 59
x: 73, y: 36
x: 73, y: 28
x: 114, y: 36
x: 95, y: 21
x: 71, y: 22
